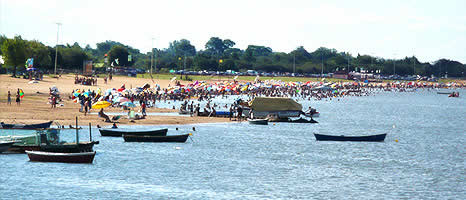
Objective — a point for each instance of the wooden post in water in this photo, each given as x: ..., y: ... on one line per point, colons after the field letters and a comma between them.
x: 77, y: 132
x: 90, y: 132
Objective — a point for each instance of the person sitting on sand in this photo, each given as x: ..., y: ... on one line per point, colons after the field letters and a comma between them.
x: 114, y: 125
x: 103, y: 115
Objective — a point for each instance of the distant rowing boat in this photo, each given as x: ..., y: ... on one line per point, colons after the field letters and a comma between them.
x: 147, y: 138
x: 26, y: 126
x: 114, y: 132
x: 369, y: 138
x: 443, y: 92
x: 258, y: 121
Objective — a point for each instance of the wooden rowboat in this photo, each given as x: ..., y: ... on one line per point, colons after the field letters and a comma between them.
x: 113, y: 132
x: 26, y: 126
x: 147, y: 138
x: 301, y: 120
x: 369, y: 138
x: 42, y: 156
x: 258, y: 121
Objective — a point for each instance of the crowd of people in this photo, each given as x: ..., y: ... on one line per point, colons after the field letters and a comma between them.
x: 85, y: 80
x: 191, y: 96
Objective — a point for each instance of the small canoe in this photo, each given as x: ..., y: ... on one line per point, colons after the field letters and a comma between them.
x: 114, y: 132
x: 258, y: 121
x: 26, y: 126
x: 301, y: 120
x: 369, y: 138
x: 443, y: 92
x: 147, y: 138
x: 5, y: 145
x: 42, y: 156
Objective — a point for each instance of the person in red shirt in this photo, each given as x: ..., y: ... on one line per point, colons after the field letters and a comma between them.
x: 143, y: 107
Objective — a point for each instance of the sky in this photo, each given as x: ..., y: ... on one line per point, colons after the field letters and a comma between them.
x: 427, y: 29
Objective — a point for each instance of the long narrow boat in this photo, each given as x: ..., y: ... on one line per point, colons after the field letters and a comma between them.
x: 301, y: 120
x: 369, y: 138
x: 5, y: 145
x: 114, y: 132
x: 258, y: 121
x: 443, y: 92
x: 25, y: 126
x: 42, y: 156
x: 147, y: 138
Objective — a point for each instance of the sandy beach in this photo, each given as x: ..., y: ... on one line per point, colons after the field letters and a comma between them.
x: 34, y: 106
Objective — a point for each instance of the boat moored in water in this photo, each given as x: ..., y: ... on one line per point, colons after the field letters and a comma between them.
x: 5, y: 145
x: 258, y: 121
x: 48, y: 140
x: 116, y: 132
x: 25, y: 126
x: 369, y: 138
x: 42, y: 156
x: 148, y: 138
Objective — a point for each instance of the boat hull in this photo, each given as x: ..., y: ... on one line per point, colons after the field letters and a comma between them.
x: 369, y: 138
x: 119, y: 133
x: 301, y: 120
x: 259, y: 121
x: 63, y: 148
x: 4, y: 146
x: 146, y: 138
x: 41, y: 156
x: 26, y: 126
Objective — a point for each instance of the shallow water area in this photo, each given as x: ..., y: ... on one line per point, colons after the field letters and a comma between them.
x: 278, y: 161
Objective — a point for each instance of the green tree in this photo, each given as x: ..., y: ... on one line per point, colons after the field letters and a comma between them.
x: 119, y: 52
x: 14, y: 52
x: 40, y: 53
x: 216, y: 46
x: 182, y: 48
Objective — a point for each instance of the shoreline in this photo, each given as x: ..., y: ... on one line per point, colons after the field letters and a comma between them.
x: 34, y: 107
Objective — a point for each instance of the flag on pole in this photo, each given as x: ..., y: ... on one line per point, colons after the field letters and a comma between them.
x: 21, y: 93
x: 29, y: 63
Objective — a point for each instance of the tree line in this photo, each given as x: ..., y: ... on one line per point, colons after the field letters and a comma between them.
x: 218, y: 55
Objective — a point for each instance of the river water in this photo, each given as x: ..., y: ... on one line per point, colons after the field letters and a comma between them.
x: 278, y: 161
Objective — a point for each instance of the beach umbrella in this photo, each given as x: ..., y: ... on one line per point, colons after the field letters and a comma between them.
x: 120, y: 99
x: 128, y: 104
x: 101, y: 104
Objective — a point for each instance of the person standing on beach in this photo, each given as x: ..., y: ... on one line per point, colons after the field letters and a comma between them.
x: 85, y: 106
x: 81, y: 101
x: 89, y: 103
x: 239, y: 109
x: 143, y: 107
x: 18, y: 100
x: 9, y: 98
